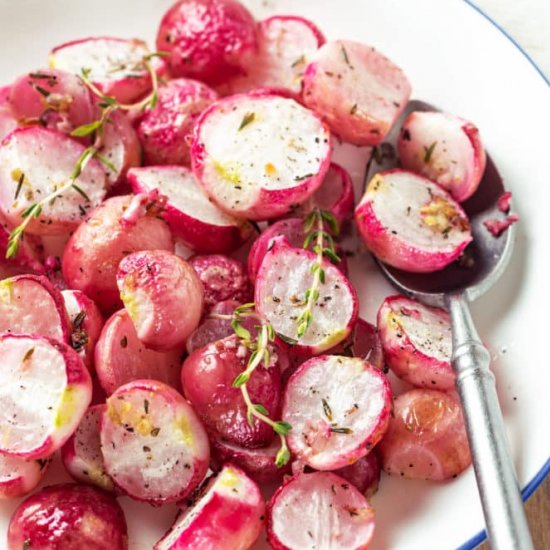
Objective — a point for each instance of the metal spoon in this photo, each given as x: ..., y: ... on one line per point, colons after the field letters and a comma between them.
x: 453, y: 288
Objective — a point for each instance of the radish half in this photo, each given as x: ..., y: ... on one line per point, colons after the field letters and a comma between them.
x: 19, y: 476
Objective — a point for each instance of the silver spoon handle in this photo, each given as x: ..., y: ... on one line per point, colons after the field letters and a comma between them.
x: 496, y: 481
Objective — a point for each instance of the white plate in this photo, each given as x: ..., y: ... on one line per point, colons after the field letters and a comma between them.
x: 459, y: 61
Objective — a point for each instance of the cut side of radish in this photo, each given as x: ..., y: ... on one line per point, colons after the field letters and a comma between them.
x: 338, y: 407
x: 229, y: 515
x: 40, y: 160
x: 411, y: 223
x: 192, y: 216
x: 19, y: 476
x: 44, y: 391
x: 153, y: 444
x: 256, y: 155
x: 319, y: 510
x: 8, y: 122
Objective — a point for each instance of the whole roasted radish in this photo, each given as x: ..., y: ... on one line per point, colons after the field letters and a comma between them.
x: 363, y: 474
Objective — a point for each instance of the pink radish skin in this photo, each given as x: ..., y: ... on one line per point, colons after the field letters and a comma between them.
x: 92, y: 269
x: 207, y: 377
x: 356, y: 90
x: 426, y: 438
x: 29, y: 254
x: 417, y: 342
x: 120, y: 357
x: 286, y: 44
x: 209, y: 40
x: 116, y: 64
x: 192, y: 217
x: 154, y: 446
x: 164, y: 130
x: 282, y: 281
x: 52, y: 98
x: 222, y: 278
x: 86, y: 324
x: 162, y: 295
x: 228, y: 514
x: 274, y: 154
x: 68, y: 517
x: 82, y: 455
x: 31, y: 304
x: 20, y: 476
x: 42, y: 159
x: 330, y: 393
x: 456, y: 158
x: 319, y: 510
x: 411, y: 223
x: 363, y: 474
x: 8, y: 122
x: 44, y: 391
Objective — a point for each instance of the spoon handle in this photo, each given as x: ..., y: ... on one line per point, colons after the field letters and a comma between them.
x: 496, y: 481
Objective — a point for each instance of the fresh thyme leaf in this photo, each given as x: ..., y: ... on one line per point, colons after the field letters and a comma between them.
x: 241, y: 379
x: 282, y: 458
x: 331, y: 255
x: 86, y: 129
x: 105, y: 161
x: 80, y: 192
x: 240, y: 331
x: 428, y: 151
x: 85, y: 72
x: 261, y: 409
x: 282, y: 428
x: 331, y: 221
x: 288, y: 341
x: 247, y: 119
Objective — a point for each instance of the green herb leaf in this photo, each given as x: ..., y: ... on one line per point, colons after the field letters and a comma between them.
x: 282, y: 428
x: 310, y: 220
x: 241, y: 379
x: 322, y: 275
x: 247, y: 119
x: 331, y: 255
x: 250, y: 417
x: 86, y: 129
x: 261, y: 409
x: 282, y: 458
x: 159, y: 53
x: 80, y: 192
x: 240, y: 331
x: 287, y: 340
x: 331, y: 221
x: 106, y: 162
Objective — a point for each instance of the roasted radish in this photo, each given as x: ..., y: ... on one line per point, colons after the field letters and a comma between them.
x: 283, y: 285
x: 20, y: 476
x: 444, y: 148
x: 153, y: 444
x: 256, y: 155
x: 411, y: 223
x: 223, y: 278
x: 164, y: 130
x: 120, y: 226
x: 198, y: 223
x: 162, y: 295
x: 34, y: 162
x: 31, y: 304
x: 364, y: 474
x: 44, y: 391
x: 121, y: 357
x: 356, y: 90
x: 209, y: 40
x: 319, y: 510
x: 338, y: 407
x: 207, y: 378
x: 82, y: 455
x: 426, y: 438
x: 68, y: 517
x: 228, y: 514
x: 8, y: 122
x: 417, y: 342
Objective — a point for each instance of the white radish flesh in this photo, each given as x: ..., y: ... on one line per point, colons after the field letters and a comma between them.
x: 19, y: 476
x: 8, y: 122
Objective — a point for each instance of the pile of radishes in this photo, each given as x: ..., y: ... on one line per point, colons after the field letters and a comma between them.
x: 128, y: 336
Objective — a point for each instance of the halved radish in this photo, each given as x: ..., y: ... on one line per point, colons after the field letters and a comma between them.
x: 228, y: 514
x: 34, y: 162
x: 256, y: 155
x: 411, y: 223
x: 357, y: 91
x: 8, y: 122
x: 120, y: 357
x: 339, y: 408
x: 44, y: 391
x: 364, y: 474
x: 319, y: 510
x: 286, y: 44
x: 162, y: 295
x: 82, y: 455
x: 116, y: 65
x: 68, y: 517
x: 52, y: 98
x: 86, y: 324
x: 207, y: 378
x: 444, y: 148
x: 29, y: 255
x: 223, y: 278
x: 31, y: 304
x: 280, y: 295
x: 417, y: 342
x: 164, y: 130
x: 19, y: 476
x: 153, y: 444
x: 426, y: 438
x: 193, y: 218
x: 209, y: 40
x: 92, y: 268
x: 258, y: 463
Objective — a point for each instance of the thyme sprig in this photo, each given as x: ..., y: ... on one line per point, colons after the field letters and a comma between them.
x: 108, y: 106
x: 315, y: 225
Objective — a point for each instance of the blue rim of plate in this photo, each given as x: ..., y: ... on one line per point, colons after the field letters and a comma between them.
x: 529, y: 489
